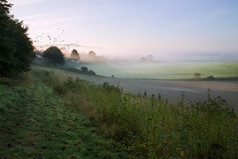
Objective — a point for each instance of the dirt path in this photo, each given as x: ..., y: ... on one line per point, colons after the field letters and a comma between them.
x: 36, y: 123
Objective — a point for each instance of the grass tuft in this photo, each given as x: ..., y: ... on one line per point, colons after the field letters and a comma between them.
x: 150, y: 128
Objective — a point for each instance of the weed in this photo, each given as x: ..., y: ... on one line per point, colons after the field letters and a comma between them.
x: 150, y: 128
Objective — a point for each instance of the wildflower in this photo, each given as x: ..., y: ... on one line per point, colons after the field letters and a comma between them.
x: 182, y: 153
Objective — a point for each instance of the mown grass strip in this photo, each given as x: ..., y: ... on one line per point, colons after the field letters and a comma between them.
x: 36, y: 123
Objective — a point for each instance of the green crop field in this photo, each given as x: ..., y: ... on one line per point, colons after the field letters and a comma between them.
x: 175, y: 70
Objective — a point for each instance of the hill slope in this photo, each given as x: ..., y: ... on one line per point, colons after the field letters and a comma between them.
x: 43, y: 116
x: 36, y: 123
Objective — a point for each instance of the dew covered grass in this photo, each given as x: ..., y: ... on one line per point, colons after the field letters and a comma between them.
x: 166, y: 70
x: 35, y: 122
x: 150, y: 127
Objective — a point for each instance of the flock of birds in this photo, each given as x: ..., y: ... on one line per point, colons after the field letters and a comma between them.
x: 46, y: 39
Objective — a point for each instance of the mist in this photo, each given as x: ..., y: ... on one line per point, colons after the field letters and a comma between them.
x: 149, y: 66
x: 118, y: 79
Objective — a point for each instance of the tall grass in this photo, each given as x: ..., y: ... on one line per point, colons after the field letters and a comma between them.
x: 150, y: 127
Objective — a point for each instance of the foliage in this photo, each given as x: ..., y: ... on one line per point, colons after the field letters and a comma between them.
x: 143, y: 59
x: 4, y: 9
x: 83, y: 70
x: 197, y: 75
x: 53, y: 55
x: 92, y: 53
x: 75, y: 55
x: 86, y: 71
x: 211, y: 77
x: 16, y: 48
x: 91, y: 72
x: 37, y: 123
x: 151, y: 128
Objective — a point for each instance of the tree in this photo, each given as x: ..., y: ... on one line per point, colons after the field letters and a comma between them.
x: 150, y: 58
x: 211, y: 77
x: 53, y: 55
x: 92, y: 53
x: 91, y: 72
x: 143, y: 59
x: 75, y: 55
x: 84, y: 69
x: 197, y: 75
x: 4, y: 9
x: 16, y: 49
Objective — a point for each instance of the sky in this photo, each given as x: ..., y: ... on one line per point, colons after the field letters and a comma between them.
x: 134, y: 27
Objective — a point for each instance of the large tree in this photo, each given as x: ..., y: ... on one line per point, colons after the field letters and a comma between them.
x: 53, y: 55
x: 75, y: 55
x: 91, y: 53
x: 16, y: 50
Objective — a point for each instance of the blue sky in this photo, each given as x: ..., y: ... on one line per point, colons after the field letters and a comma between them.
x: 130, y: 27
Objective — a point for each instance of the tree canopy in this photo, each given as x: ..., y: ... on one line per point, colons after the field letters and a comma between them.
x: 75, y: 55
x: 92, y: 53
x: 197, y: 75
x: 16, y: 49
x: 53, y: 55
x: 86, y: 71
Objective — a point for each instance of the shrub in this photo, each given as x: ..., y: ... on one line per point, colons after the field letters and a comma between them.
x: 91, y: 72
x: 84, y: 69
x: 211, y: 77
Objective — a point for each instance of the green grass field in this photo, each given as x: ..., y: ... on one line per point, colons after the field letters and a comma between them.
x: 175, y: 70
x: 51, y: 115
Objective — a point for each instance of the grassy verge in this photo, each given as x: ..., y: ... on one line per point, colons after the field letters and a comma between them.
x: 149, y: 127
x: 37, y: 123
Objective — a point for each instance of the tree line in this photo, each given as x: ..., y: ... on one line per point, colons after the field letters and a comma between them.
x: 16, y: 49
